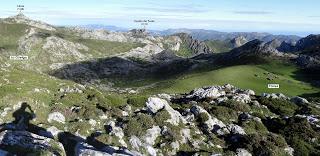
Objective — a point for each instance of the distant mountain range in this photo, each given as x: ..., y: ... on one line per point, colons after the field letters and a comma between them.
x: 202, y: 34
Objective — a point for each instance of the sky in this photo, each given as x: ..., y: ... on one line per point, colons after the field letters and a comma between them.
x: 299, y: 17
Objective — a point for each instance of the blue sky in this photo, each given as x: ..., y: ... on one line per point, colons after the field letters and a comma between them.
x: 276, y: 16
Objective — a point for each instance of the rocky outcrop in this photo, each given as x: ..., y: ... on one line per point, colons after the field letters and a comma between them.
x: 238, y: 41
x: 60, y: 49
x: 30, y: 142
x: 219, y: 94
x: 255, y: 48
x: 198, y: 47
x: 309, y: 43
x: 139, y: 33
x: 154, y: 104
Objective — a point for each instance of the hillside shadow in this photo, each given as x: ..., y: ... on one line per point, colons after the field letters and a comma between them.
x: 117, y: 68
x: 309, y: 75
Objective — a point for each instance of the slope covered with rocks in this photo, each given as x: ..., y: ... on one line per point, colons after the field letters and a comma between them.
x: 220, y: 120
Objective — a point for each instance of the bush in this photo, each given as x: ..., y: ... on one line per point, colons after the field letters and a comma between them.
x: 108, y: 140
x: 138, y: 125
x: 254, y: 127
x: 223, y: 113
x: 174, y: 133
x: 298, y: 127
x: 137, y: 101
x: 280, y: 107
x: 265, y: 145
x: 203, y: 117
x: 301, y: 148
x: 146, y: 120
x: 237, y: 106
x: 297, y: 132
x: 133, y: 127
x: 161, y: 117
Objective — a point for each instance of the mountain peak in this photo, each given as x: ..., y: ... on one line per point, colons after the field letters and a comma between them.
x: 20, y: 16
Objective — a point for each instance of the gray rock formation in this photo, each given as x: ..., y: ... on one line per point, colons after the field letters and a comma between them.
x: 238, y: 41
x: 31, y: 142
x: 198, y: 47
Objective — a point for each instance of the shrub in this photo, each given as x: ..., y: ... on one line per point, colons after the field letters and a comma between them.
x: 108, y: 140
x: 299, y: 127
x: 133, y: 127
x: 259, y: 144
x: 254, y: 127
x: 223, y: 113
x: 138, y: 125
x: 301, y: 148
x: 297, y: 132
x: 235, y: 105
x: 137, y: 101
x: 280, y: 107
x: 161, y: 117
x: 174, y: 133
x: 146, y: 120
x: 203, y: 117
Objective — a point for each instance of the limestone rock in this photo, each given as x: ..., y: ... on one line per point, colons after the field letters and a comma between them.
x: 30, y: 141
x: 56, y: 116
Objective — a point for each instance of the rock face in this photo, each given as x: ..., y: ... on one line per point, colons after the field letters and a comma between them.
x: 195, y: 45
x: 238, y: 41
x: 30, y: 141
x: 309, y: 49
x: 309, y: 43
x: 255, y: 48
x: 60, y: 48
x: 139, y: 32
x: 155, y: 104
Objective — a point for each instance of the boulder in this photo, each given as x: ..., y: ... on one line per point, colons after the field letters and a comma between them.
x: 243, y: 98
x: 243, y: 152
x: 56, y: 116
x: 212, y: 124
x: 299, y: 100
x: 155, y: 104
x: 30, y: 142
x: 210, y: 92
x: 151, y: 135
x: 138, y: 145
x: 235, y: 129
x: 289, y: 150
x: 116, y: 131
x: 54, y: 130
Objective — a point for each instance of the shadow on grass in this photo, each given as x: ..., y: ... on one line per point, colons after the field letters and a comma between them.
x: 22, y: 117
x: 18, y: 138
